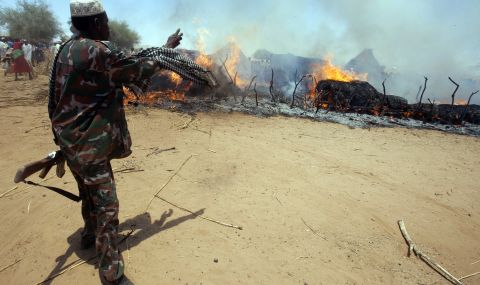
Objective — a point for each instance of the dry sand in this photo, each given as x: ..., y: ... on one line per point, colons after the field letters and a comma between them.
x: 276, y: 177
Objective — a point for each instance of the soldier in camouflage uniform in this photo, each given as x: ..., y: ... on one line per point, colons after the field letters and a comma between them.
x: 89, y: 125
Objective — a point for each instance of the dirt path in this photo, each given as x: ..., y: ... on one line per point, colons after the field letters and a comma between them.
x: 275, y: 177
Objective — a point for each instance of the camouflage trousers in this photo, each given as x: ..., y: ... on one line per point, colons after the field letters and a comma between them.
x: 100, y: 213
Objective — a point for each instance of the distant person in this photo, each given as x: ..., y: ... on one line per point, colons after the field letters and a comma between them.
x: 7, y: 62
x: 27, y: 52
x: 20, y: 64
x: 52, y: 52
x: 36, y: 55
x: 54, y: 49
x: 3, y: 48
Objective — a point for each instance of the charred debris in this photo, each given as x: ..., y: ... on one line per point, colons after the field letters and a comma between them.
x: 265, y: 85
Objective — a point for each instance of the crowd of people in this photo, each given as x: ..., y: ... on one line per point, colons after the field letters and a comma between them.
x: 20, y: 56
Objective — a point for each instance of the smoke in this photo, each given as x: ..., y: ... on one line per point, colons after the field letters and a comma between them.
x: 433, y: 38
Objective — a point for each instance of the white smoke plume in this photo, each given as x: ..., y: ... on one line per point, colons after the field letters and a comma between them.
x: 435, y: 38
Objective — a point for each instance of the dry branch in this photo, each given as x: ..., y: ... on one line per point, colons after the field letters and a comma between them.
x: 271, y: 87
x: 128, y: 170
x: 248, y: 88
x: 34, y: 128
x: 6, y: 192
x: 468, y: 276
x: 296, y: 86
x: 418, y: 93
x: 466, y: 106
x: 256, y: 94
x: 10, y: 265
x: 435, y: 266
x: 312, y: 230
x: 454, y: 92
x: 226, y: 69
x: 187, y: 123
x: 200, y: 216
x: 168, y: 181
x: 423, y: 92
x: 384, y: 93
x: 29, y: 187
x: 158, y: 151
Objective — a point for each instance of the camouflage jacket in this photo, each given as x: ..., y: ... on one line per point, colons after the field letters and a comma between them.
x: 86, y: 109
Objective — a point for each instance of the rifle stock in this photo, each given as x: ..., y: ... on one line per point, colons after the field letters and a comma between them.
x: 44, y: 164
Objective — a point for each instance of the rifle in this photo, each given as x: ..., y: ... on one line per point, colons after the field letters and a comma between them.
x: 44, y: 165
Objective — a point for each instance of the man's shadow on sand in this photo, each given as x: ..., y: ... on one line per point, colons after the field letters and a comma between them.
x: 144, y: 229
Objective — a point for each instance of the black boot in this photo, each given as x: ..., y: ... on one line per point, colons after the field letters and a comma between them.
x: 122, y: 281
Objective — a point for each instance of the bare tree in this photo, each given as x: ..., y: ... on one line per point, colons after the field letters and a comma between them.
x: 466, y: 106
x: 271, y: 89
x: 454, y: 92
x: 248, y: 88
x: 224, y: 63
x: 384, y: 93
x: 297, y: 83
x: 418, y: 93
x: 423, y: 92
x: 256, y: 94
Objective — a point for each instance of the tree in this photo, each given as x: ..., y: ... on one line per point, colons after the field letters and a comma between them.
x: 31, y: 20
x: 122, y: 35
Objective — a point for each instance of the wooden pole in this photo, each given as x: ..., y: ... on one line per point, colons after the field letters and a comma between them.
x: 423, y: 92
x: 466, y: 106
x: 296, y: 86
x: 435, y: 266
x: 454, y: 92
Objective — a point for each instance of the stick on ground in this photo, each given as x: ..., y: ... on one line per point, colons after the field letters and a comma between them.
x: 5, y: 193
x: 469, y: 275
x: 312, y: 230
x: 158, y: 151
x: 200, y: 216
x: 10, y: 265
x: 435, y: 266
x: 29, y: 187
x: 168, y: 181
x: 128, y: 170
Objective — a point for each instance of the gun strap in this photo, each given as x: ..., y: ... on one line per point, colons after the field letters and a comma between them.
x: 62, y: 192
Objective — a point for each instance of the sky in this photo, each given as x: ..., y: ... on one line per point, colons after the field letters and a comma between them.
x: 437, y: 38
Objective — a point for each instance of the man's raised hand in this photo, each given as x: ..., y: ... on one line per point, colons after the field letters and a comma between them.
x: 174, y: 40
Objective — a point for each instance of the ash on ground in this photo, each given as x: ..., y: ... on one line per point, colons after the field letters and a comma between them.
x: 266, y: 108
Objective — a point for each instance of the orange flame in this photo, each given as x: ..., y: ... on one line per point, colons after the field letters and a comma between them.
x: 328, y: 71
x: 461, y: 102
x: 174, y: 88
x: 232, y: 64
x: 175, y: 78
x: 204, y: 60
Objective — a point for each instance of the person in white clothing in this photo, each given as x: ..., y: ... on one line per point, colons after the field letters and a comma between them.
x: 27, y: 52
x: 3, y: 49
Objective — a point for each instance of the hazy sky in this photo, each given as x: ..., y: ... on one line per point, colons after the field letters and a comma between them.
x: 438, y: 38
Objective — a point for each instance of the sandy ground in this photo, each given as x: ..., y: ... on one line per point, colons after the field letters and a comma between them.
x: 318, y: 202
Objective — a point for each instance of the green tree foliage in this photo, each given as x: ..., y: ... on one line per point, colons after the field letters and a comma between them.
x: 31, y: 20
x: 122, y: 35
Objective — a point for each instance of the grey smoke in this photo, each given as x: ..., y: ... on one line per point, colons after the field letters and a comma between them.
x: 436, y: 38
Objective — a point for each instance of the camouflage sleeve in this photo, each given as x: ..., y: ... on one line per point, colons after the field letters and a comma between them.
x: 118, y: 70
